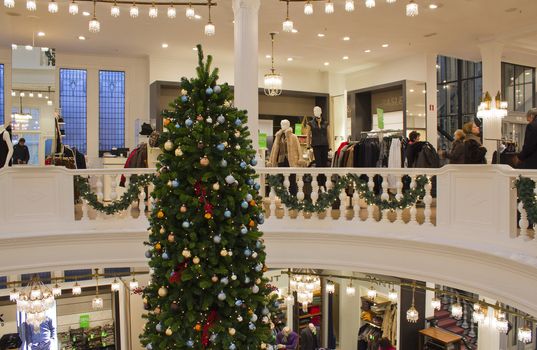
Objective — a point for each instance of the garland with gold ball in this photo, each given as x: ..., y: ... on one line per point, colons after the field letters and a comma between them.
x: 130, y: 195
x: 328, y: 198
x: 526, y: 194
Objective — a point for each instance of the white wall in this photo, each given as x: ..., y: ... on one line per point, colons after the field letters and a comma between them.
x: 5, y: 59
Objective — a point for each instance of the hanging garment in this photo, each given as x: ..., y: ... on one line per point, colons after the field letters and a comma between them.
x: 394, y: 161
x: 4, y: 150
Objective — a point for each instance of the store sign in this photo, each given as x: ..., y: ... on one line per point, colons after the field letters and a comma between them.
x: 298, y: 129
x: 262, y: 140
x: 388, y: 100
x: 84, y: 321
x: 380, y: 118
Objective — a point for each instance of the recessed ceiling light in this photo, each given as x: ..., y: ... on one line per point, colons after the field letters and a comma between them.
x: 367, y: 51
x: 345, y: 57
x: 85, y: 13
x: 327, y: 63
x: 433, y: 6
x: 268, y: 56
x: 294, y: 30
x: 194, y: 49
x: 81, y: 37
x: 320, y: 35
x: 411, y: 90
x: 164, y: 45
x: 41, y: 34
x: 385, y: 45
x: 289, y: 59
x: 346, y: 38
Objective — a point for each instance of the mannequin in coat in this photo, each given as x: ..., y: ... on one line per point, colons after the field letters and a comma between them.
x: 318, y: 138
x: 309, y: 338
x: 6, y: 147
x: 289, y: 157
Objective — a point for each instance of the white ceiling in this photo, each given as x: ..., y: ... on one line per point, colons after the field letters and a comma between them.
x: 455, y: 28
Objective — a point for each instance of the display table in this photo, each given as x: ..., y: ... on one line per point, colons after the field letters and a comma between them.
x: 112, y: 163
x: 441, y: 337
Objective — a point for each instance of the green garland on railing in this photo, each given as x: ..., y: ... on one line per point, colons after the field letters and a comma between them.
x: 138, y: 181
x: 328, y: 198
x: 526, y: 194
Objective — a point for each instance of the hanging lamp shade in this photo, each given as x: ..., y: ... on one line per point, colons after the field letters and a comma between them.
x: 273, y: 81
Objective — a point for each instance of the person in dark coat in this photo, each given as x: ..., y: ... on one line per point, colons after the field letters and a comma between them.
x: 456, y: 153
x: 308, y: 338
x: 474, y: 152
x: 21, y: 155
x: 413, y: 149
x: 527, y: 158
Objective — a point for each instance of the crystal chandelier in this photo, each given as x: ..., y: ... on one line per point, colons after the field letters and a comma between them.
x: 371, y: 293
x: 34, y: 301
x: 330, y: 287
x: 436, y: 304
x: 133, y: 11
x: 9, y: 4
x: 153, y: 11
x: 73, y: 8
x: 349, y: 5
x: 412, y: 314
x: 370, y: 3
x: 273, y: 81
x: 31, y: 5
x: 94, y: 25
x: 456, y: 310
x: 172, y: 12
x: 190, y: 13
x: 114, y: 10
x: 97, y: 302
x: 502, y: 324
x: 412, y: 9
x: 133, y: 284
x: 479, y: 313
x: 329, y: 7
x: 210, y: 29
x: 391, y: 1
x: 392, y: 295
x: 287, y: 25
x: 524, y: 335
x: 492, y: 109
x: 14, y: 295
x: 115, y: 286
x: 53, y: 7
x: 77, y: 290
x: 304, y: 286
x: 308, y: 8
x: 56, y: 290
x: 351, y: 290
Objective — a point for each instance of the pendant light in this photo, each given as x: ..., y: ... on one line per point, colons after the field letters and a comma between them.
x: 330, y: 287
x: 391, y: 1
x: 502, y: 324
x: 133, y: 11
x: 456, y: 310
x: 53, y: 7
x: 56, y: 290
x: 392, y: 295
x: 372, y: 293
x: 153, y: 11
x: 308, y: 8
x: 287, y: 25
x: 351, y: 290
x: 328, y: 7
x: 412, y: 9
x: 524, y: 334
x: 114, y: 10
x: 133, y: 284
x: 97, y: 302
x: 77, y: 290
x: 210, y: 29
x: 31, y: 5
x: 73, y: 8
x: 14, y: 295
x: 190, y: 13
x: 412, y: 314
x: 349, y: 5
x: 94, y: 24
x: 115, y: 286
x: 370, y: 4
x: 9, y: 4
x: 172, y: 12
x: 273, y: 81
x: 436, y: 304
x: 289, y: 299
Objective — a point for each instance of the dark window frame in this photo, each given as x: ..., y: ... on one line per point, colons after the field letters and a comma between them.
x: 66, y: 117
x: 505, y: 83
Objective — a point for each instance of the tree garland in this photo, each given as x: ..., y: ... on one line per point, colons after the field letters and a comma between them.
x: 526, y: 194
x: 328, y: 198
x: 138, y: 181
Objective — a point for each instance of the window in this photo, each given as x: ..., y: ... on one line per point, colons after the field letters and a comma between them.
x: 111, y: 110
x: 1, y: 94
x: 74, y: 275
x: 518, y: 86
x: 117, y: 271
x: 73, y: 103
x: 44, y: 277
x: 459, y: 90
x: 3, y: 282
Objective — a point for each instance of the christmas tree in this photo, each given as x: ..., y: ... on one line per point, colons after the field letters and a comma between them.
x: 207, y: 289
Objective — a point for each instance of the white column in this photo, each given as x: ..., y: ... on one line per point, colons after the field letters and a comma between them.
x: 338, y: 109
x: 432, y: 103
x: 429, y: 295
x: 491, y: 57
x: 246, y: 62
x: 488, y: 336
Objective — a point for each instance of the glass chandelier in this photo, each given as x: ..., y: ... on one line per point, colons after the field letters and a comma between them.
x: 351, y: 290
x: 94, y: 25
x: 287, y: 25
x: 330, y: 287
x: 349, y: 5
x: 31, y: 5
x: 115, y: 286
x: 456, y: 310
x: 412, y: 9
x: 9, y: 4
x: 34, y: 301
x: 190, y: 13
x: 329, y: 7
x: 73, y: 8
x: 479, y: 313
x: 56, y: 290
x: 153, y: 11
x: 210, y: 29
x: 53, y: 7
x: 273, y: 81
x: 412, y: 314
x: 502, y: 324
x: 114, y: 10
x: 524, y: 335
x: 172, y: 12
x: 436, y: 304
x: 392, y: 295
x: 133, y: 11
x: 370, y: 3
x: 97, y: 302
x: 371, y: 293
x: 492, y: 109
x: 308, y: 8
x: 77, y: 290
x: 304, y: 286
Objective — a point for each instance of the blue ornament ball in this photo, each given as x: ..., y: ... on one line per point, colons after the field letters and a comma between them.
x: 257, y: 186
x: 223, y: 163
x: 251, y: 326
x: 209, y: 91
x: 258, y: 244
x: 189, y: 122
x: 220, y: 147
x: 243, y: 164
x: 238, y: 302
x: 276, y: 304
x: 217, y: 239
x: 244, y: 205
x: 221, y: 119
x: 261, y: 216
x: 221, y: 296
x: 232, y: 347
x: 247, y: 252
x: 238, y: 122
x: 265, y: 311
x: 175, y: 183
x: 250, y: 182
x: 186, y: 224
x: 260, y: 221
x: 190, y: 343
x: 253, y: 162
x: 159, y: 327
x: 227, y: 214
x: 148, y: 254
x: 249, y: 197
x: 224, y: 281
x: 184, y: 99
x: 165, y: 256
x: 258, y: 267
x: 230, y: 180
x: 177, y: 125
x: 244, y: 230
x: 217, y: 89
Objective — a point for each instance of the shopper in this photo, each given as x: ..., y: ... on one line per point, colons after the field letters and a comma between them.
x: 456, y: 153
x: 385, y: 344
x: 413, y: 148
x: 21, y: 155
x: 527, y: 158
x: 474, y: 152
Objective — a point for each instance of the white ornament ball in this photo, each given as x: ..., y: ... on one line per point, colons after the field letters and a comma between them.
x: 238, y: 147
x: 254, y: 255
x: 186, y: 253
x: 237, y: 133
x: 255, y: 289
x: 216, y: 186
x: 232, y: 331
x: 233, y: 277
x: 168, y: 145
x: 184, y: 92
x: 239, y: 318
x: 265, y: 320
x: 263, y: 346
x: 196, y: 260
x: 169, y: 332
x: 230, y: 252
x: 178, y: 152
x: 162, y: 291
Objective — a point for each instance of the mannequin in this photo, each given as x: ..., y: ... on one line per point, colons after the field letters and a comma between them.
x: 309, y: 338
x: 286, y: 148
x: 318, y: 138
x: 6, y: 147
x: 287, y: 339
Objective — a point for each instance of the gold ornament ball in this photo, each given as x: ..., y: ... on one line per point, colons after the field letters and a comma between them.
x: 171, y: 238
x: 186, y: 253
x: 158, y: 246
x: 257, y: 281
x: 169, y: 332
x: 216, y: 186
x: 157, y: 310
x: 162, y: 291
x: 168, y: 145
x: 263, y: 346
x: 145, y: 301
x: 162, y: 231
x: 232, y: 331
x: 204, y: 161
x: 237, y: 133
x: 197, y: 327
x: 223, y: 252
x: 160, y: 214
x: 214, y: 279
x: 183, y: 208
x: 166, y: 121
x: 208, y: 216
x: 196, y: 260
x: 184, y: 92
x: 178, y: 152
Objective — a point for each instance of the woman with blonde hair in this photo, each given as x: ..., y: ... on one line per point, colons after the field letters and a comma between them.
x: 474, y: 152
x: 456, y: 153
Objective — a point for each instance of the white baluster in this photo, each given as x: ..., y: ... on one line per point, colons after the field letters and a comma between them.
x: 300, y: 195
x: 523, y: 222
x: 385, y: 197
x: 100, y: 195
x: 286, y: 184
x: 371, y: 207
x: 113, y: 187
x: 85, y: 214
x: 128, y: 211
x: 314, y: 189
x: 329, y: 186
x: 272, y: 205
x: 151, y: 200
x: 356, y: 203
x: 398, y: 197
x: 141, y: 204
x: 428, y: 199
x: 343, y: 205
x: 413, y: 209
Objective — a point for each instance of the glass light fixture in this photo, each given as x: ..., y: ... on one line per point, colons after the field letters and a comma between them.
x: 53, y: 7
x: 349, y: 5
x: 35, y: 300
x: 114, y: 10
x: 524, y: 335
x: 287, y: 25
x: 56, y: 290
x: 370, y: 4
x: 456, y: 311
x: 308, y: 8
x: 22, y: 94
x: 153, y: 11
x: 77, y: 290
x: 13, y: 93
x: 479, y: 314
x: 492, y: 109
x: 115, y: 286
x: 392, y: 295
x: 134, y: 11
x: 9, y: 4
x: 49, y: 102
x: 436, y: 304
x: 502, y: 324
x: 330, y: 287
x: 172, y: 12
x: 190, y: 13
x: 39, y: 95
x: 31, y: 5
x: 371, y: 293
x: 328, y: 7
x: 412, y: 9
x: 412, y: 314
x: 94, y: 24
x: 210, y: 29
x: 391, y: 1
x: 133, y: 284
x: 73, y: 8
x: 97, y: 302
x: 14, y: 295
x: 351, y: 290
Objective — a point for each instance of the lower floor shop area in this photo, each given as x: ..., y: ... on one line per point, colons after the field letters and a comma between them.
x: 317, y: 309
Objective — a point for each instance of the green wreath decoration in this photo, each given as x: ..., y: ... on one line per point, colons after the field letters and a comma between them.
x: 526, y: 194
x: 138, y: 181
x: 328, y: 198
